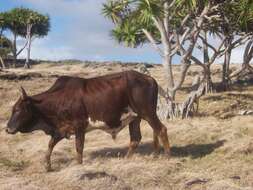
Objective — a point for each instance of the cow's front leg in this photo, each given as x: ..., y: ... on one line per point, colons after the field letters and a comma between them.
x: 80, y: 136
x: 53, y: 141
x: 135, y: 136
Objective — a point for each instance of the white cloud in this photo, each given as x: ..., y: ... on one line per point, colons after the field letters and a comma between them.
x: 80, y: 31
x: 41, y: 50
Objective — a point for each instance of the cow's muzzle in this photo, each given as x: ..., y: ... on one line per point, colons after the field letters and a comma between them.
x: 11, y: 131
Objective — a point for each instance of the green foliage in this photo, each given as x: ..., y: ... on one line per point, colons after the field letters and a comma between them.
x: 3, y: 24
x: 13, y: 20
x: 5, y: 46
x: 245, y: 12
x: 21, y: 22
x: 114, y: 9
x: 131, y: 16
x: 128, y: 33
x: 237, y: 17
x: 17, y: 20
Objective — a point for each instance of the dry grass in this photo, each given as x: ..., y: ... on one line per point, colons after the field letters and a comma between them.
x: 207, y: 152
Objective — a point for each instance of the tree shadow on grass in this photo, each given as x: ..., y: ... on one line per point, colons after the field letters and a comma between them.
x: 196, y: 150
x: 192, y: 150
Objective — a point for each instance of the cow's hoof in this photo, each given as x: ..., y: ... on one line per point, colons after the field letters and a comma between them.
x: 158, y: 151
x: 48, y: 168
x: 167, y: 154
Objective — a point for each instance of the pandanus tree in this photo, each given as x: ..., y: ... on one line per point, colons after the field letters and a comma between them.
x: 172, y: 27
x: 36, y: 25
x: 230, y: 26
x: 13, y: 20
x: 5, y: 43
x: 27, y: 24
x: 5, y: 49
x: 244, y: 21
x: 236, y: 28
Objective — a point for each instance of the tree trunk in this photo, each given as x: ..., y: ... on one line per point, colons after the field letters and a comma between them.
x: 208, y: 80
x: 189, y: 107
x: 14, y: 50
x: 205, y: 49
x: 226, y: 64
x: 2, y: 63
x: 28, y: 48
x: 27, y: 62
x: 168, y: 70
x: 171, y: 107
x: 207, y: 70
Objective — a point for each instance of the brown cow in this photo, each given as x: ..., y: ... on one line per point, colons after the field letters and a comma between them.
x: 75, y: 106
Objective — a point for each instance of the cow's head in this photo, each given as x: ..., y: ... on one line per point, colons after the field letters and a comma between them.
x: 22, y: 115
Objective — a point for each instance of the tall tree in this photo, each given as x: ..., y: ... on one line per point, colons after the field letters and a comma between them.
x: 175, y: 24
x: 5, y: 44
x: 37, y: 25
x: 5, y: 49
x: 237, y: 30
x: 28, y: 24
x: 13, y: 20
x: 231, y: 30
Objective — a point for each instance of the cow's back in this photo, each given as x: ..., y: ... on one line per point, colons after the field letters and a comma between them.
x: 103, y: 98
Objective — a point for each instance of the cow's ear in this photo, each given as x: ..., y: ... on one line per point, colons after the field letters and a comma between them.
x: 23, y: 93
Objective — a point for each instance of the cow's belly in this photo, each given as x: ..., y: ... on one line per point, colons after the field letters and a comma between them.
x: 125, y: 119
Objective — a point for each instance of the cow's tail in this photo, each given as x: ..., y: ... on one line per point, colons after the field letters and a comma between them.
x: 130, y: 98
x: 154, y: 89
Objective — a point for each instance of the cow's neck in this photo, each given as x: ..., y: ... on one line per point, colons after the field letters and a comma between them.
x: 41, y: 122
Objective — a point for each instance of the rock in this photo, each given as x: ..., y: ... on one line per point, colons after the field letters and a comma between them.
x: 235, y: 177
x: 242, y: 112
x: 245, y: 112
x: 196, y: 181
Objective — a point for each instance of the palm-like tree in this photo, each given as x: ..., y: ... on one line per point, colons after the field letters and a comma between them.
x: 175, y: 24
x: 245, y: 30
x: 25, y: 23
x: 5, y: 44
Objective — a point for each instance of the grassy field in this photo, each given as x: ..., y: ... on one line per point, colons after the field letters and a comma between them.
x: 213, y: 151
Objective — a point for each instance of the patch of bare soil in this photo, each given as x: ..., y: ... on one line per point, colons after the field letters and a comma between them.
x: 208, y: 153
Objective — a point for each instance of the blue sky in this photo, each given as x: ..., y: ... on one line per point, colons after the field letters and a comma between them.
x: 79, y: 31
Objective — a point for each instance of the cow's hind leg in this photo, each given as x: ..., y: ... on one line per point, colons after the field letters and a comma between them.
x: 159, y: 131
x: 80, y: 136
x: 53, y: 141
x: 135, y: 136
x: 156, y: 142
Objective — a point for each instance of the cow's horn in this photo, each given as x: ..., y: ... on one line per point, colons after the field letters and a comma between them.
x: 23, y: 92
